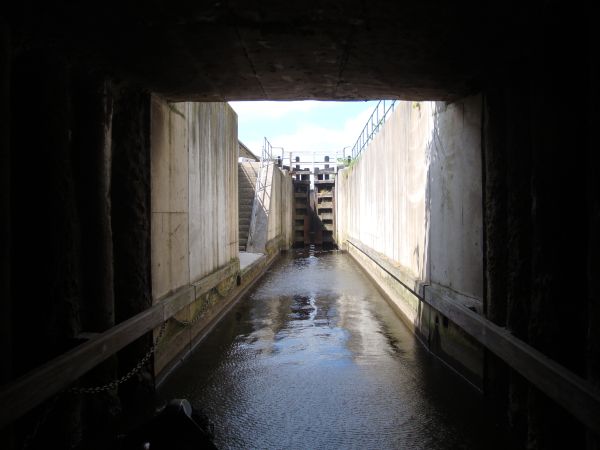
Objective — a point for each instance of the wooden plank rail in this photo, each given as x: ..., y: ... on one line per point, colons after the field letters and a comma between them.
x: 576, y: 395
x: 30, y: 390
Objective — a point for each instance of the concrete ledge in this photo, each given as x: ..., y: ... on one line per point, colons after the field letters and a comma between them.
x: 33, y: 388
x: 406, y: 296
x: 273, y: 245
x: 578, y: 396
x: 213, y: 305
x: 247, y: 259
x: 182, y: 306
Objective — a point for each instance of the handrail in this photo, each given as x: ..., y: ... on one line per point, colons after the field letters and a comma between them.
x: 261, y: 187
x: 576, y: 395
x: 30, y: 390
x: 375, y: 121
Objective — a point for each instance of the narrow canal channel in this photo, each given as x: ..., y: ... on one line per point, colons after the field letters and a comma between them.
x: 314, y: 358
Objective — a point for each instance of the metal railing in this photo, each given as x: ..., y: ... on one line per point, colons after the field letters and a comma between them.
x: 374, y: 123
x: 262, y: 180
x: 55, y: 376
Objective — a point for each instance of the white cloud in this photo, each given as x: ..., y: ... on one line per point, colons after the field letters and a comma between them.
x: 275, y: 110
x: 309, y: 137
x: 301, y: 127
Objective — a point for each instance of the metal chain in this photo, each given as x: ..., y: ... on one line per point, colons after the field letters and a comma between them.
x: 114, y: 384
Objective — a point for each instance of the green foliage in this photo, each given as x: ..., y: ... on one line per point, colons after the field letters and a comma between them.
x: 345, y: 162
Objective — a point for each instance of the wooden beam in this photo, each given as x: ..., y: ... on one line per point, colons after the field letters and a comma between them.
x: 33, y: 388
x: 569, y: 390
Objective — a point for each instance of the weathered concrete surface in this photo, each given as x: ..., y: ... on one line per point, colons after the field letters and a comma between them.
x: 247, y: 259
x: 91, y: 140
x: 542, y: 208
x: 337, y: 50
x: 194, y: 192
x: 195, y: 216
x: 131, y: 227
x: 273, y: 211
x: 414, y: 194
x: 207, y: 311
x: 282, y: 199
x: 5, y: 302
x: 194, y: 170
x: 538, y: 202
x: 170, y: 209
x: 381, y: 199
x: 42, y: 185
x: 414, y: 198
x: 194, y: 202
x: 213, y: 154
x: 454, y: 195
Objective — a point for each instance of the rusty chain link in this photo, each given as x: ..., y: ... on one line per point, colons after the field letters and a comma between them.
x: 115, y: 383
x: 186, y: 323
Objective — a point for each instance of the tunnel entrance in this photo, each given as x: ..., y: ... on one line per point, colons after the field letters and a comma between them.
x: 82, y: 209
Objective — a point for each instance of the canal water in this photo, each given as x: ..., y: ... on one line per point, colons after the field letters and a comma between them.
x: 314, y: 358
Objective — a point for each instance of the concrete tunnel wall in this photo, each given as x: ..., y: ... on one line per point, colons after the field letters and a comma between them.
x: 85, y: 163
x: 414, y: 198
x: 194, y: 151
x: 280, y: 219
x: 194, y: 196
x: 194, y: 192
x: 272, y: 228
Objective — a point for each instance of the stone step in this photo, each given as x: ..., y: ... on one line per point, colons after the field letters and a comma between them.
x: 247, y: 174
x: 244, y: 198
x: 247, y: 190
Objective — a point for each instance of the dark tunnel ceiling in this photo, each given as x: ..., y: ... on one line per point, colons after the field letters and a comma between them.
x: 215, y: 51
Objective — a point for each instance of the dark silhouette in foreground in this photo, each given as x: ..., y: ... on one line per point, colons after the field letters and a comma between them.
x: 176, y: 427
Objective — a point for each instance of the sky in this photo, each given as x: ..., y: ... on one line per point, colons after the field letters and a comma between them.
x: 302, y: 126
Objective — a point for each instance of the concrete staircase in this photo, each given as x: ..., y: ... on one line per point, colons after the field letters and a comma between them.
x: 247, y: 174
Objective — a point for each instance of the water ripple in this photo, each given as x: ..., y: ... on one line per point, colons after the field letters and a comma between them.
x: 315, y: 359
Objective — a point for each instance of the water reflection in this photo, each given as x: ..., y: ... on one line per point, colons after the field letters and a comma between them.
x: 315, y: 358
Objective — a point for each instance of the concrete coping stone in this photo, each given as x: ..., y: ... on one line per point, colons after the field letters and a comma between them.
x: 247, y: 259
